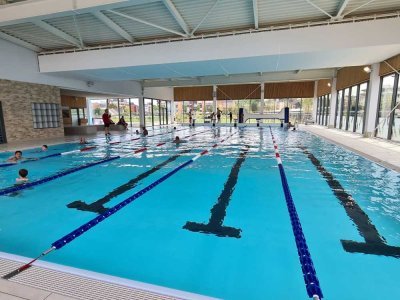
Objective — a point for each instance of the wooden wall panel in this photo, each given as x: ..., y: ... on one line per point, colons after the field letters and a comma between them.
x: 238, y: 91
x: 300, y: 89
x: 350, y: 76
x: 193, y: 93
x: 323, y: 87
x: 73, y: 102
x: 394, y: 61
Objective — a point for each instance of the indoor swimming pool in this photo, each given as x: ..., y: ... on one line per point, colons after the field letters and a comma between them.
x: 217, y: 227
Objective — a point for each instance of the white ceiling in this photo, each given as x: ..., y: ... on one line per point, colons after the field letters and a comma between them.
x: 86, y: 26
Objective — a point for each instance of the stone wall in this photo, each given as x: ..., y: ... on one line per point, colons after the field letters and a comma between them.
x: 17, y: 98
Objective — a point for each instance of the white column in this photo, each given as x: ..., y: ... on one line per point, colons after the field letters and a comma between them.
x: 141, y: 112
x: 262, y: 98
x: 173, y: 112
x: 372, y: 101
x: 315, y: 101
x: 89, y: 111
x: 332, y: 111
x: 214, y: 98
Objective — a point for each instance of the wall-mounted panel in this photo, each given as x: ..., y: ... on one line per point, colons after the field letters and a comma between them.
x: 193, y: 93
x: 349, y: 76
x: 73, y: 102
x: 324, y: 87
x: 301, y: 89
x: 394, y: 63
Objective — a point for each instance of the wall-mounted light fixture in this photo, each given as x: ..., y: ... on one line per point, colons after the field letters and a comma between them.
x: 367, y: 69
x: 329, y: 84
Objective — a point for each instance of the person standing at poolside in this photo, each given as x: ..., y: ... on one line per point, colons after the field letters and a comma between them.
x: 219, y: 115
x: 145, y: 132
x: 230, y: 117
x: 107, y: 122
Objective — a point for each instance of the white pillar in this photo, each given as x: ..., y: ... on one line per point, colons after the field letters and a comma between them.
x: 372, y: 101
x: 89, y: 111
x: 332, y: 111
x: 262, y: 98
x: 214, y: 98
x: 173, y: 112
x: 141, y: 112
x: 315, y: 101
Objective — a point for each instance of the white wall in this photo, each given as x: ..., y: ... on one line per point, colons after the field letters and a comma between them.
x: 162, y: 93
x: 297, y: 49
x: 21, y: 64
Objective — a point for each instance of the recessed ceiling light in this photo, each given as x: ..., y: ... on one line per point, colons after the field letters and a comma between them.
x: 367, y: 69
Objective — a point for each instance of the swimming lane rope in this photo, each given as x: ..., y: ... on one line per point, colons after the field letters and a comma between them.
x: 19, y: 187
x: 307, y: 266
x: 79, y: 150
x: 88, y: 225
x: 16, y: 188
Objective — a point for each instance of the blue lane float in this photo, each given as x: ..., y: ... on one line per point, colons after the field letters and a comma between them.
x: 88, y: 225
x: 307, y: 266
x: 26, y: 185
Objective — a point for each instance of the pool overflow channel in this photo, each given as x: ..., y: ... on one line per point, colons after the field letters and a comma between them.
x: 309, y: 274
x: 88, y: 225
x: 20, y: 187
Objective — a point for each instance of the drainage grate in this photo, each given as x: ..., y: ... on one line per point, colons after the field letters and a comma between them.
x: 75, y: 286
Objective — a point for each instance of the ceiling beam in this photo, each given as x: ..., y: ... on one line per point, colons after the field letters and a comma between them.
x: 343, y: 5
x: 177, y: 16
x: 26, y: 11
x: 19, y: 42
x: 113, y: 26
x: 362, y: 5
x: 205, y: 17
x: 244, y: 78
x: 255, y: 13
x: 58, y: 32
x: 319, y: 8
x: 147, y: 23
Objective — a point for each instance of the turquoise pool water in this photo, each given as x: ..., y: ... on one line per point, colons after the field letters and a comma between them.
x: 253, y: 255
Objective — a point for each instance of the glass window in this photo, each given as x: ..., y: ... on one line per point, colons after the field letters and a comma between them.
x: 352, y: 108
x: 396, y: 116
x: 319, y: 108
x: 385, y: 104
x: 45, y: 115
x: 135, y: 117
x: 345, y: 109
x: 361, y: 107
x: 156, y: 112
x: 294, y: 105
x: 306, y: 108
x: 148, y: 112
x: 222, y: 106
x: 328, y: 109
x: 338, y: 109
x: 113, y: 109
x: 97, y: 108
x: 169, y: 118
